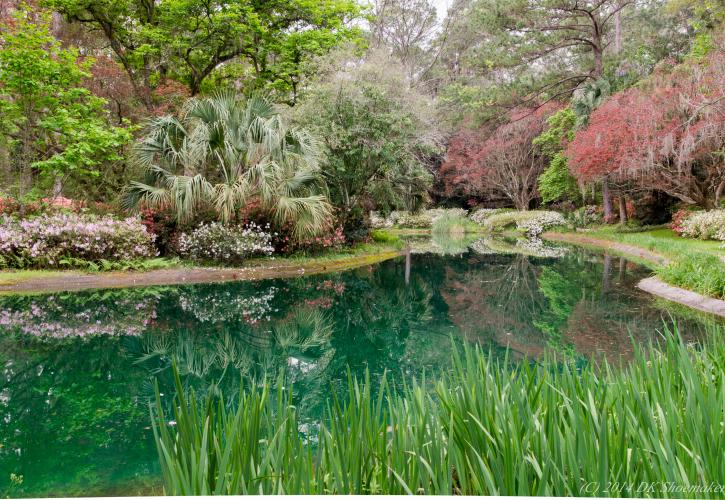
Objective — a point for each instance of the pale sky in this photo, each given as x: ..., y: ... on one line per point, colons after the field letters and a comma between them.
x: 442, y: 8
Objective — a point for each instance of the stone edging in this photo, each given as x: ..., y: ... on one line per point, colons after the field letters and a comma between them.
x: 655, y: 286
x: 652, y: 285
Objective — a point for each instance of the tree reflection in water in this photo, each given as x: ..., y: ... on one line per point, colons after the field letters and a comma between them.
x: 73, y: 405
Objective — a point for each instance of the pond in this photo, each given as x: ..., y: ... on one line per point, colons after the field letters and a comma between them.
x: 79, y: 367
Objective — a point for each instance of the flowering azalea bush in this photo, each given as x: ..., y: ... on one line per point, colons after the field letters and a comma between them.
x: 437, y: 213
x: 415, y: 221
x: 480, y: 215
x: 419, y: 220
x: 227, y: 244
x: 378, y: 221
x: 709, y: 225
x: 540, y: 222
x: 334, y: 238
x: 59, y: 240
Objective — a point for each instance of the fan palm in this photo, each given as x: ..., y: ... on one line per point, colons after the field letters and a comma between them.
x: 223, y: 152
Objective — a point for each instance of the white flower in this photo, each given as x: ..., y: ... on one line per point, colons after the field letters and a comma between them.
x: 706, y: 225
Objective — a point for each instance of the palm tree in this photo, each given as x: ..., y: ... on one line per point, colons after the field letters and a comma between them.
x: 223, y: 152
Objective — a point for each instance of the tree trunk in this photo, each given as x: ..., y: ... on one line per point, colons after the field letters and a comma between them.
x: 622, y: 210
x: 57, y: 186
x: 407, y: 265
x: 607, y: 201
x: 605, y: 273
x: 718, y: 193
x: 617, y: 32
x: 598, y: 63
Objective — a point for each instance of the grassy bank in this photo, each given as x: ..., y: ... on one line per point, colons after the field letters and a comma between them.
x: 693, y: 264
x: 178, y: 272
x: 490, y: 429
x: 663, y: 241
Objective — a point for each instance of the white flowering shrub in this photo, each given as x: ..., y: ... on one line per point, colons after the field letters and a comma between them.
x: 414, y: 221
x: 377, y: 221
x: 709, y: 225
x: 55, y: 240
x: 480, y: 215
x: 540, y: 222
x: 226, y: 244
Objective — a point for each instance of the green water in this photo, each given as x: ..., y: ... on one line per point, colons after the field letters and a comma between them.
x: 78, y: 368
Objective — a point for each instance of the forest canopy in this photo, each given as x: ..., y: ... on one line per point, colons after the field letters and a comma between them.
x: 493, y: 103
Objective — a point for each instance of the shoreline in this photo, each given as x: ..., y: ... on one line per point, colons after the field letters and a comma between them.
x: 649, y: 257
x: 67, y: 281
x: 651, y: 285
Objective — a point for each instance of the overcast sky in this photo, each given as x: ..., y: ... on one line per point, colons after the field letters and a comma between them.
x: 442, y: 7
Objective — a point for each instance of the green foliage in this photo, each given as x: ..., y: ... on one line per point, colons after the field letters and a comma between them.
x: 591, y: 97
x: 224, y: 153
x: 48, y: 120
x: 382, y: 236
x: 269, y: 43
x: 559, y: 131
x: 702, y: 44
x: 377, y: 132
x: 492, y: 429
x: 556, y: 182
x: 701, y: 273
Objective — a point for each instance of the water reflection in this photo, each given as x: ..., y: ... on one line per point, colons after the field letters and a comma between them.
x: 78, y: 367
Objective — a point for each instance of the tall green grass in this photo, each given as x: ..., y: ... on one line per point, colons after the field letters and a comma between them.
x: 488, y: 429
x: 453, y: 224
x: 702, y: 273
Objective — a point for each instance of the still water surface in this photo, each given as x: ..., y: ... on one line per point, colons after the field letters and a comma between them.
x: 78, y: 368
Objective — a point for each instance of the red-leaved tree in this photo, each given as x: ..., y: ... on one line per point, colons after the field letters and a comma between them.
x: 498, y: 160
x: 668, y: 135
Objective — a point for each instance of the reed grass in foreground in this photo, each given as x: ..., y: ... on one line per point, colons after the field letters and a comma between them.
x: 652, y: 429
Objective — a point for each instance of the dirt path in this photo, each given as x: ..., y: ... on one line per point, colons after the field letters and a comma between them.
x: 71, y: 280
x: 652, y: 285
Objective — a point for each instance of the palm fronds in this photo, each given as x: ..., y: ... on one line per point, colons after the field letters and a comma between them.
x: 221, y: 153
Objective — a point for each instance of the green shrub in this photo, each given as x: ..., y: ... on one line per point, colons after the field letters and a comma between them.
x: 381, y: 236
x: 555, y: 429
x: 585, y: 216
